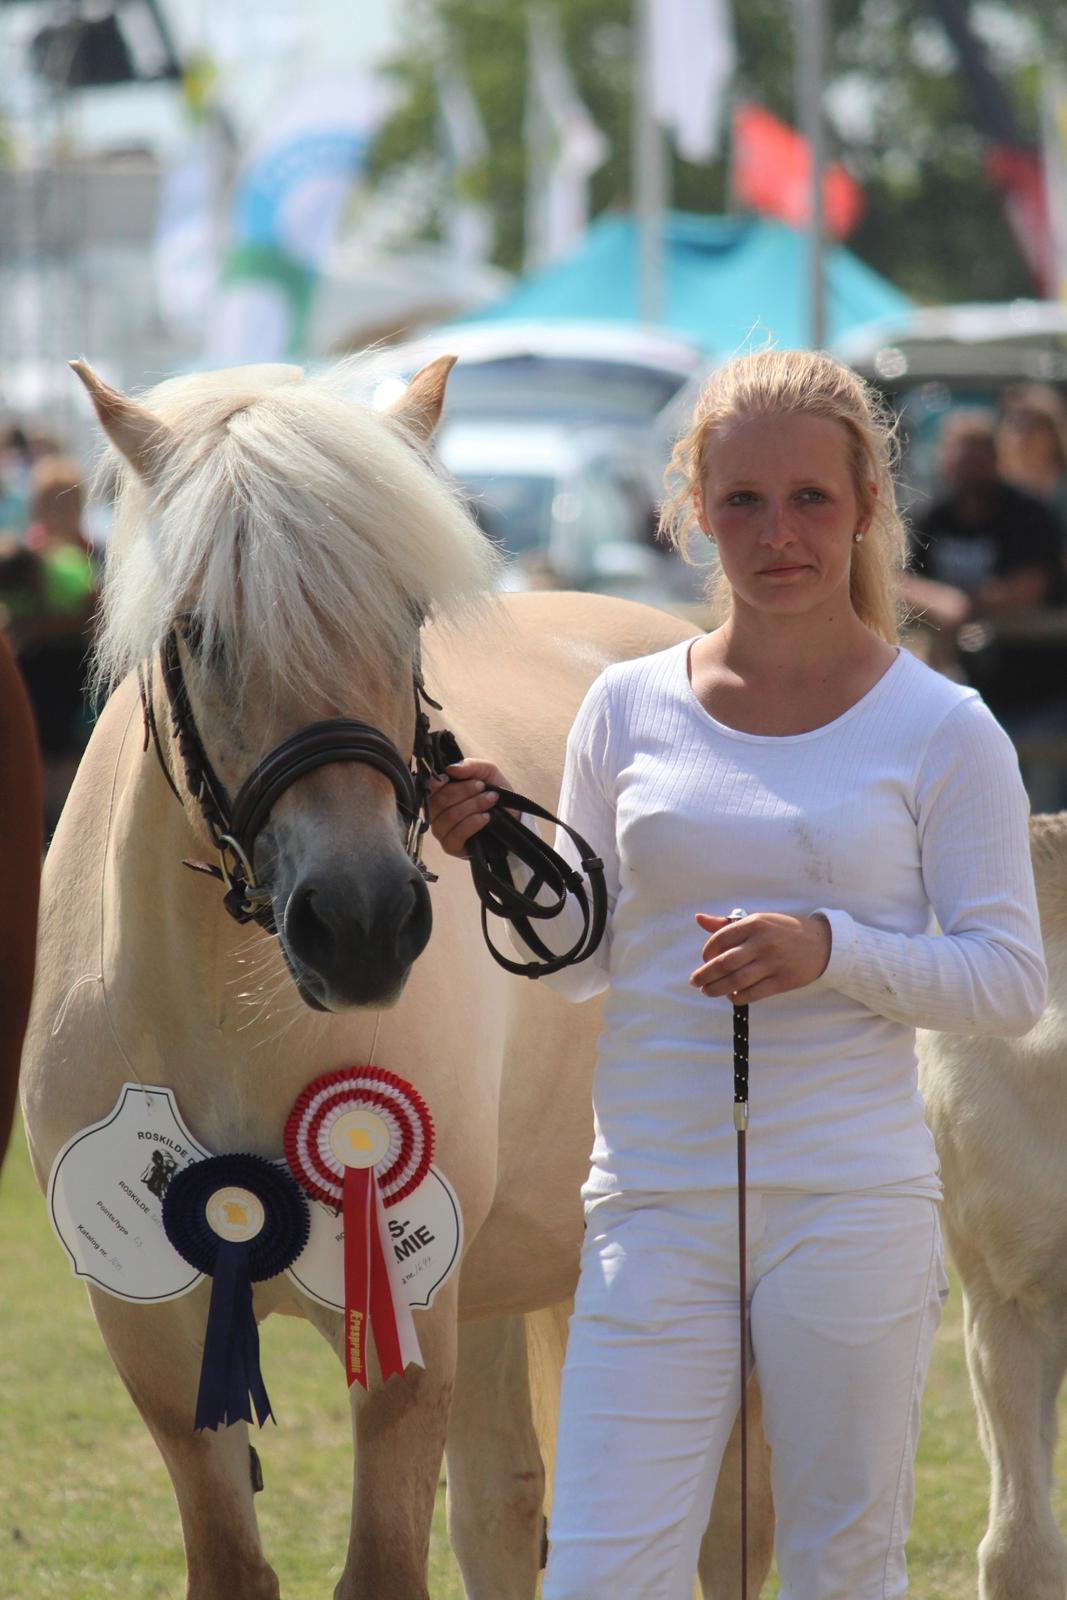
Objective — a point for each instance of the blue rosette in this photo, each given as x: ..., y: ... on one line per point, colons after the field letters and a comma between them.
x: 240, y: 1219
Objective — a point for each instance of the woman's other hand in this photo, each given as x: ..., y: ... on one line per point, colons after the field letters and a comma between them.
x: 460, y: 804
x: 760, y: 955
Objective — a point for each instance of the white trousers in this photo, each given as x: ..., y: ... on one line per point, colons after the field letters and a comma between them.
x: 845, y: 1297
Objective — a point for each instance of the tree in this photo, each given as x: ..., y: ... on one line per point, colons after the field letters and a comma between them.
x: 898, y: 112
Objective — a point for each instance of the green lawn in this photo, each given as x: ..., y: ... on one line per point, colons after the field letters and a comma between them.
x: 86, y: 1508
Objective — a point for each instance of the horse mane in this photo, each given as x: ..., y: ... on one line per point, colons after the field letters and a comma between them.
x: 304, y: 529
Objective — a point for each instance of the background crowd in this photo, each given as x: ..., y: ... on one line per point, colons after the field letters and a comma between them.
x: 987, y: 588
x: 48, y: 589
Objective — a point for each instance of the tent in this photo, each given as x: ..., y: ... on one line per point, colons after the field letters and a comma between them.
x: 730, y: 283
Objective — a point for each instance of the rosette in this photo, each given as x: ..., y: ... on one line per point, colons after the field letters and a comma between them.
x: 361, y: 1140
x: 241, y: 1219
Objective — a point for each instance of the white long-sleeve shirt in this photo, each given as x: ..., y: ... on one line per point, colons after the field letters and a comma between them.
x: 904, y: 815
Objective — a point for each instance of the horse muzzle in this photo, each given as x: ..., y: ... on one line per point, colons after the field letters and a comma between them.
x: 350, y: 938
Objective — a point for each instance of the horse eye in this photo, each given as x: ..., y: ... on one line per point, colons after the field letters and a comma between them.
x: 194, y: 635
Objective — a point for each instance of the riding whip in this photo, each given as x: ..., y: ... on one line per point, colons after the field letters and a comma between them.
x: 741, y: 1124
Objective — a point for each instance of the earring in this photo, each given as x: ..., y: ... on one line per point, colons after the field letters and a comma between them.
x: 857, y: 537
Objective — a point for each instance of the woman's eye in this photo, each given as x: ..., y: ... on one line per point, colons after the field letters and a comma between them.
x: 741, y: 497
x: 812, y: 495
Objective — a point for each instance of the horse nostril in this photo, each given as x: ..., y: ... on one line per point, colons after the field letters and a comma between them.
x: 413, y: 929
x: 309, y: 935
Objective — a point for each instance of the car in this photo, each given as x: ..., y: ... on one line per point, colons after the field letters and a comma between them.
x: 570, y: 507
x: 582, y: 372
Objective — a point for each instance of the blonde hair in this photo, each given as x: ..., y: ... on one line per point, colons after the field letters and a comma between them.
x: 301, y: 526
x: 776, y: 382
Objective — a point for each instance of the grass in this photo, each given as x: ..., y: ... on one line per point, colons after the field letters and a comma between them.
x: 86, y: 1507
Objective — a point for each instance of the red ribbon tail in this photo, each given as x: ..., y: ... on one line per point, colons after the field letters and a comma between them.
x: 382, y: 1308
x: 358, y: 1203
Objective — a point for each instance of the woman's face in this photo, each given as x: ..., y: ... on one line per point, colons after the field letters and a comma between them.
x: 778, y: 498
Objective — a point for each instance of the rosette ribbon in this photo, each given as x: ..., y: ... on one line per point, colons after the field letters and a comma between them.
x: 240, y: 1219
x: 361, y: 1140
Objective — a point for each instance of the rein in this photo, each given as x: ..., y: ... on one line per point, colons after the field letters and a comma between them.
x: 234, y: 825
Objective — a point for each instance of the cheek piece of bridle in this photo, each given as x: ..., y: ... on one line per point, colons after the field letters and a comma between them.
x: 503, y: 845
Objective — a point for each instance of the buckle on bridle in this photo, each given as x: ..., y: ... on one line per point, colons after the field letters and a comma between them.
x: 249, y: 897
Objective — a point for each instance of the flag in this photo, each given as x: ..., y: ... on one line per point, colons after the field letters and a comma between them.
x: 185, y: 250
x: 1012, y: 164
x: 468, y: 222
x: 1054, y: 156
x: 288, y: 202
x: 771, y: 174
x: 564, y: 146
x: 693, y: 59
x: 1018, y: 173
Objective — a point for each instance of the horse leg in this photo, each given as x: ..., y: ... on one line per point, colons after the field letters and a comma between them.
x: 400, y: 1440
x: 157, y: 1351
x: 719, y: 1568
x: 496, y: 1480
x: 1016, y: 1363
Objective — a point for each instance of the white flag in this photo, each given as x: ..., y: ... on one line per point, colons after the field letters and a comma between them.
x: 186, y: 246
x: 290, y: 195
x: 468, y: 223
x: 564, y: 146
x: 693, y: 58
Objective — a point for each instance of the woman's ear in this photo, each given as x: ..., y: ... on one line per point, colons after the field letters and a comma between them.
x: 701, y: 516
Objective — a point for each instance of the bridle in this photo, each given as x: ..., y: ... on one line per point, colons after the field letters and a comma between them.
x: 234, y: 825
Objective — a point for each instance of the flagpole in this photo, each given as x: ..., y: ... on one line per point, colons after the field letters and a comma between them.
x: 810, y: 19
x: 649, y: 172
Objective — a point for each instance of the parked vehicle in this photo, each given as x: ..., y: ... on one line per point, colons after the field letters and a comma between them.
x: 572, y: 508
x: 586, y: 372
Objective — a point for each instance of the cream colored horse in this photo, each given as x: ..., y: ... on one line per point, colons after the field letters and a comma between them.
x: 307, y: 538
x: 998, y: 1110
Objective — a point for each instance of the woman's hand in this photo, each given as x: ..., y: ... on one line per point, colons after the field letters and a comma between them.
x: 460, y: 804
x: 760, y: 955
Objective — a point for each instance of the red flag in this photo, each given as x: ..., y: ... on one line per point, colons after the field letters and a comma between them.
x: 771, y: 173
x: 1020, y: 177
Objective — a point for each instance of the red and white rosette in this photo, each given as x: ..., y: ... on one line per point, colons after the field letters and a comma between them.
x: 361, y: 1140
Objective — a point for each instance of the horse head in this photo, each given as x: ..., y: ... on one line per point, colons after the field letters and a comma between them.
x: 287, y: 544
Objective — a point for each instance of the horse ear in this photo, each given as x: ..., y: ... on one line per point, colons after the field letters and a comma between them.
x: 419, y: 408
x: 134, y: 431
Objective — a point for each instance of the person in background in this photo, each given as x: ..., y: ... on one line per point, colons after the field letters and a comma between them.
x: 984, y: 551
x: 868, y: 815
x: 49, y: 595
x: 16, y: 465
x: 1032, y: 447
x: 20, y: 872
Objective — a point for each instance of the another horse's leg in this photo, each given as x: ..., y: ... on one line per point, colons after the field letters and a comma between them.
x: 400, y: 1441
x: 496, y: 1481
x: 719, y: 1567
x: 1017, y: 1363
x: 157, y: 1352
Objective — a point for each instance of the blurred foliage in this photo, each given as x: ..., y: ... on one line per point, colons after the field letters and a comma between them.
x: 899, y: 115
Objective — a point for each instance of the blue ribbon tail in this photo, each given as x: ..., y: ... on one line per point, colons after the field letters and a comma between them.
x: 230, y: 1367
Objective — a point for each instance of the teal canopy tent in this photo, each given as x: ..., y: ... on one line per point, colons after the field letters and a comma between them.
x: 730, y: 283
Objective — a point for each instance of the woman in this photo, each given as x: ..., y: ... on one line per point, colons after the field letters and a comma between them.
x: 797, y: 763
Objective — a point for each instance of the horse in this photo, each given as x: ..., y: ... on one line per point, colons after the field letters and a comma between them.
x: 20, y: 829
x: 305, y: 560
x: 998, y: 1113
